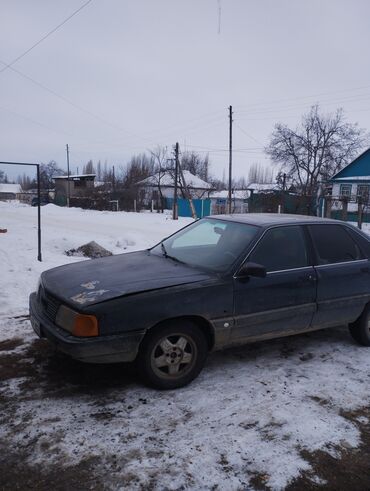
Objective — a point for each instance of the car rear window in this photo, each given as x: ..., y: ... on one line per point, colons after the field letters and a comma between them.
x: 333, y: 244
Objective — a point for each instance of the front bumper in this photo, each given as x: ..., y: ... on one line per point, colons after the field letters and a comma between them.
x: 101, y: 349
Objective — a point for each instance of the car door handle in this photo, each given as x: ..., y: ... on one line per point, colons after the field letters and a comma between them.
x: 307, y: 278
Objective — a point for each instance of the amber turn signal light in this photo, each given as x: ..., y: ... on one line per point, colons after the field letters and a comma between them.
x: 85, y: 326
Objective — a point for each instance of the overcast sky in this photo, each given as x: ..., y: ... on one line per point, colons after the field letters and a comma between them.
x: 123, y: 76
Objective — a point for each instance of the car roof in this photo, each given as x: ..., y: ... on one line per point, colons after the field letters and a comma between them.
x: 268, y: 219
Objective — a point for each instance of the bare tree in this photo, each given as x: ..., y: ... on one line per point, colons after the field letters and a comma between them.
x: 318, y: 148
x: 47, y: 172
x: 99, y: 174
x: 140, y: 167
x: 260, y: 174
x: 160, y: 157
x: 26, y: 182
x: 196, y: 164
x: 89, y: 168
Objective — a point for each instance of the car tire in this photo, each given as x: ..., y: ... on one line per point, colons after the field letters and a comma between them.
x: 360, y: 330
x: 172, y: 355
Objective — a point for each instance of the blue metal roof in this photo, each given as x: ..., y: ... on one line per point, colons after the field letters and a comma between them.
x: 358, y: 168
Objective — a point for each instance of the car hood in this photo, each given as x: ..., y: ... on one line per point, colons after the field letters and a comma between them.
x: 90, y: 282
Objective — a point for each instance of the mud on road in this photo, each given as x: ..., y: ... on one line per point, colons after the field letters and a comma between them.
x: 67, y: 425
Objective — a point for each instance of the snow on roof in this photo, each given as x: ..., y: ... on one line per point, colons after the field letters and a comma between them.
x: 271, y: 186
x: 237, y: 194
x: 75, y: 176
x: 10, y: 188
x: 352, y: 178
x: 167, y: 179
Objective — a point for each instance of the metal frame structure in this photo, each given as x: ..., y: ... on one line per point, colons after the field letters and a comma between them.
x: 39, y: 258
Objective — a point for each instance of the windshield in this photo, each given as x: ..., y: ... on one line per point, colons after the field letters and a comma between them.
x: 208, y: 243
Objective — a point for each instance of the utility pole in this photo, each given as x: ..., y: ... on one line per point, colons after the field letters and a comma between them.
x: 175, y: 209
x: 38, y: 214
x: 68, y: 183
x: 186, y: 192
x: 283, y: 194
x: 230, y: 153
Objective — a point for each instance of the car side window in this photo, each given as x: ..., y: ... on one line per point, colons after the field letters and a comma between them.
x: 281, y: 248
x: 334, y: 244
x: 362, y: 241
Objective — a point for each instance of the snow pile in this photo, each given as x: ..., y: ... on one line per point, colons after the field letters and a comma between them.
x: 91, y: 250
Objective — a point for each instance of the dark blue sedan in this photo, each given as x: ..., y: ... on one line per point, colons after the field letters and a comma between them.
x: 219, y: 282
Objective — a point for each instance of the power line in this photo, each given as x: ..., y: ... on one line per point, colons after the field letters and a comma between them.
x: 247, y: 134
x: 325, y: 102
x: 187, y: 129
x: 71, y: 103
x: 22, y: 55
x: 34, y: 121
x: 289, y: 99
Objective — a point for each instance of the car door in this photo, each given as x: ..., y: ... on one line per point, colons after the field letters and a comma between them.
x: 343, y: 275
x: 284, y: 301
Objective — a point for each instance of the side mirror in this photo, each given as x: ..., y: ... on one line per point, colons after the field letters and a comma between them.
x: 252, y: 269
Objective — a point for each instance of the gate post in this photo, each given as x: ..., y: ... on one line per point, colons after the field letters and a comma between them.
x: 344, y: 208
x: 329, y: 204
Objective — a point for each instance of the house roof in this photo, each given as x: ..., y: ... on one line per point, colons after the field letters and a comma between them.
x: 236, y: 194
x: 264, y: 188
x: 358, y: 168
x: 167, y: 179
x: 353, y: 178
x: 76, y: 176
x: 10, y: 188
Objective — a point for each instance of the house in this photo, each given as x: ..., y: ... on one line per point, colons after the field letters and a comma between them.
x: 263, y: 188
x: 163, y: 184
x: 219, y: 201
x: 9, y: 191
x: 79, y: 186
x: 353, y: 182
x: 265, y: 198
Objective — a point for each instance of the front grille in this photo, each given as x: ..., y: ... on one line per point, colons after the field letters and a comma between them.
x: 50, y: 305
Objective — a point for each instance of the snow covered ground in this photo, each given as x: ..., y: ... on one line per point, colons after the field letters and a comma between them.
x: 252, y: 420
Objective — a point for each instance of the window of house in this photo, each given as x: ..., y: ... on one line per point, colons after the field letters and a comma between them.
x: 363, y: 192
x: 345, y: 190
x: 281, y: 248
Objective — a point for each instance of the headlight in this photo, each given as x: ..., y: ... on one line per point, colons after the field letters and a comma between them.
x: 77, y: 324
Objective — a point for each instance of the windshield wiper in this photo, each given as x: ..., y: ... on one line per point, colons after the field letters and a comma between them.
x: 164, y: 250
x: 168, y: 256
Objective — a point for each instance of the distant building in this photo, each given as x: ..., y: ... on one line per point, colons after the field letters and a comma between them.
x: 259, y: 188
x: 219, y: 201
x: 149, y: 187
x: 9, y: 191
x: 79, y: 187
x: 353, y: 181
x: 266, y: 198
